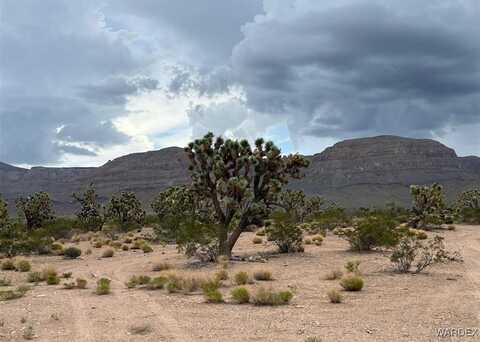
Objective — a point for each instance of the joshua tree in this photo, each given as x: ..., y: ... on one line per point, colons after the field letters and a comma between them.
x: 298, y: 204
x: 126, y: 210
x: 3, y: 213
x: 468, y: 206
x: 428, y: 204
x: 240, y: 182
x: 36, y: 209
x: 90, y: 215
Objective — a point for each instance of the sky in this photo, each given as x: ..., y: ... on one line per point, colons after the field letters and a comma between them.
x: 83, y: 82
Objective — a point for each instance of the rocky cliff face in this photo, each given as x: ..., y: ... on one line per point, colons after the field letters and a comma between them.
x: 353, y: 173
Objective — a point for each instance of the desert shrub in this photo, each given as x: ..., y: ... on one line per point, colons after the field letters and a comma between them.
x: 265, y: 297
x: 103, y: 286
x: 317, y: 240
x: 8, y: 265
x: 49, y: 271
x: 23, y: 266
x: 352, y: 283
x: 35, y: 277
x: 91, y: 215
x: 52, y: 279
x: 242, y: 278
x: 72, y: 252
x: 157, y: 283
x: 307, y: 241
x: 257, y: 240
x: 213, y: 296
x: 191, y: 284
x: 98, y: 244
x: 262, y: 275
x: 333, y: 275
x: 143, y: 280
x: 221, y: 275
x: 36, y: 210
x: 147, y: 248
x: 132, y: 282
x: 423, y: 254
x: 174, y: 283
x: 313, y: 339
x: 81, y: 283
x: 126, y: 211
x: 125, y: 248
x: 328, y: 219
x: 240, y: 295
x: 428, y: 205
x: 352, y: 266
x: 57, y: 248
x: 5, y: 281
x: 335, y: 296
x: 140, y: 329
x: 371, y: 231
x: 19, y: 292
x: 161, y: 266
x: 420, y: 234
x: 108, y: 253
x: 285, y: 233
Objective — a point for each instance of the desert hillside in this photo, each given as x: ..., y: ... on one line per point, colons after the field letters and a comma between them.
x: 353, y: 173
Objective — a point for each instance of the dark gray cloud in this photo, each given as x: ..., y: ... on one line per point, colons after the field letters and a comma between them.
x: 329, y: 69
x: 352, y: 68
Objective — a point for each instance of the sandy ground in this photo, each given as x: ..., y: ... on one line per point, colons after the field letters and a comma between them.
x: 392, y: 307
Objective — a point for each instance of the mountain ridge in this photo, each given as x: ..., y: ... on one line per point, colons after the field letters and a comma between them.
x: 355, y: 172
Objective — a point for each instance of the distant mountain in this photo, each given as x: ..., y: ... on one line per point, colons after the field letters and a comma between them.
x: 353, y: 173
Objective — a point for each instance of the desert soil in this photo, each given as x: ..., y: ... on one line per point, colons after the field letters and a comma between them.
x: 392, y: 307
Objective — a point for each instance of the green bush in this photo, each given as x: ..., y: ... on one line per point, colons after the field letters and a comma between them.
x: 103, y: 286
x: 242, y: 278
x: 265, y: 297
x: 285, y: 233
x: 371, y: 231
x: 19, y: 292
x: 8, y: 265
x: 52, y: 279
x: 147, y: 248
x: 352, y: 266
x: 157, y: 283
x: 23, y: 266
x: 352, y: 283
x: 240, y: 295
x: 221, y: 275
x: 72, y: 252
x: 213, y: 296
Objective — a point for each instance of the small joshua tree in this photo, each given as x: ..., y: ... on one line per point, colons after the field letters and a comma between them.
x: 297, y: 203
x: 36, y: 209
x: 126, y: 210
x: 4, y: 219
x: 468, y: 206
x: 90, y: 215
x: 240, y: 182
x: 428, y: 205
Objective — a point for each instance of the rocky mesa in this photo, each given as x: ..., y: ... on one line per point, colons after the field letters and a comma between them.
x: 353, y: 173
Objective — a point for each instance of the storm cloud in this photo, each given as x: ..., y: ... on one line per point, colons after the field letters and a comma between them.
x: 326, y: 70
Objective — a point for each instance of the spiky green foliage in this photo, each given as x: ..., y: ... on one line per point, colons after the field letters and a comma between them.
x: 126, y: 210
x: 36, y: 209
x: 299, y: 205
x: 240, y: 182
x: 4, y: 218
x: 186, y: 218
x: 91, y: 215
x: 468, y: 206
x: 428, y: 205
x: 285, y: 232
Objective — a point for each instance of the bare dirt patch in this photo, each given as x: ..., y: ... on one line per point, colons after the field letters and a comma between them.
x: 391, y: 307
